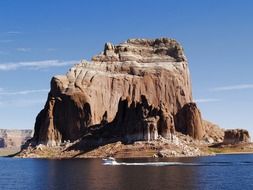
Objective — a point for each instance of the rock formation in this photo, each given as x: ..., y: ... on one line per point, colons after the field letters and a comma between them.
x: 189, y: 121
x: 136, y: 90
x: 213, y: 133
x: 14, y: 138
x: 234, y: 136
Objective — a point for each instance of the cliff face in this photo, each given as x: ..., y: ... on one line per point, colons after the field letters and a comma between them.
x: 189, y: 121
x: 234, y: 136
x: 14, y: 138
x: 213, y: 133
x: 136, y: 90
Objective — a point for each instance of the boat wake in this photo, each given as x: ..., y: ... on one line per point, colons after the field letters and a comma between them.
x: 112, y: 161
x: 148, y: 163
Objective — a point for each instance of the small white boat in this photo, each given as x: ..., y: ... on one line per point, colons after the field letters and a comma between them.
x: 110, y: 161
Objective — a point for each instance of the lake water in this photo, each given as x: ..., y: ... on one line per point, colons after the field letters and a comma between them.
x: 214, y: 172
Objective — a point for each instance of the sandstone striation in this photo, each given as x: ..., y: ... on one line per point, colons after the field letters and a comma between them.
x: 235, y: 136
x: 133, y: 91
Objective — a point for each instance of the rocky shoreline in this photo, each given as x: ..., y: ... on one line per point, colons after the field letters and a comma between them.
x: 180, y: 146
x: 139, y: 149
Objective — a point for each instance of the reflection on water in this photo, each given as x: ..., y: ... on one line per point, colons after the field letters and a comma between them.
x: 218, y: 172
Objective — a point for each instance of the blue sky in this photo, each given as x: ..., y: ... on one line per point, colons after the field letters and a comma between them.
x: 39, y: 39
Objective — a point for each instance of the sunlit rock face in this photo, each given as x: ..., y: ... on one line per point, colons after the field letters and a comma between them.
x: 189, y: 121
x: 136, y: 90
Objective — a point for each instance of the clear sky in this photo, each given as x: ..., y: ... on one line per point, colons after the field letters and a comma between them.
x: 42, y: 38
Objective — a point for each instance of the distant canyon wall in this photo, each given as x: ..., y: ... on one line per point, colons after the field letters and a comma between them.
x: 14, y: 138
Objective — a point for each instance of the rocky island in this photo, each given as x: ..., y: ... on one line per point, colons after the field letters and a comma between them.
x: 131, y: 100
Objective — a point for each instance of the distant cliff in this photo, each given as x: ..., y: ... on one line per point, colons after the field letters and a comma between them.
x: 14, y: 138
x: 235, y: 136
x: 136, y: 90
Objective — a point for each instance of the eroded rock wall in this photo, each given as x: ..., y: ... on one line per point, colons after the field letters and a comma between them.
x: 138, y: 89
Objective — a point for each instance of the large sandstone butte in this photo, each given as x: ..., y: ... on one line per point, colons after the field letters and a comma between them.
x: 136, y: 90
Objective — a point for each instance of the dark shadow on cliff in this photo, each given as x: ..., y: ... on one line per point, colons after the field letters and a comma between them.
x: 98, y: 136
x: 129, y: 125
x: 87, y: 146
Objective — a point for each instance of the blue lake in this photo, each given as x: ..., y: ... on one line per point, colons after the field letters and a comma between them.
x: 214, y: 172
